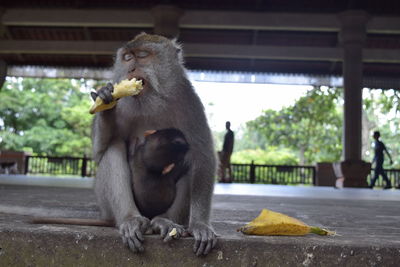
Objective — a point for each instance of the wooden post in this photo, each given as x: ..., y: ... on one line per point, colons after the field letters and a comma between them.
x: 84, y: 166
x: 252, y: 172
x: 26, y: 169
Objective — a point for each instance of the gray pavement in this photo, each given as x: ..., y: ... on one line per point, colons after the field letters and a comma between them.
x: 367, y: 223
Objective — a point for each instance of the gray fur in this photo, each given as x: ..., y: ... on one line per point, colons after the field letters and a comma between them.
x: 168, y: 101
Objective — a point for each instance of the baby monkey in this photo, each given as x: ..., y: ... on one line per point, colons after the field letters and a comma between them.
x: 157, y: 164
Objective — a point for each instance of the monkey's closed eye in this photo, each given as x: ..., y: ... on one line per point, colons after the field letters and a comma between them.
x: 142, y: 54
x: 127, y: 56
x: 179, y: 141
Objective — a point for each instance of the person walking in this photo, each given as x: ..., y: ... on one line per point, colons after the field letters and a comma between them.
x: 378, y: 160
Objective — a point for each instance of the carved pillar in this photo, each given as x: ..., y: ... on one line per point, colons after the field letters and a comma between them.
x: 166, y: 20
x: 352, y: 37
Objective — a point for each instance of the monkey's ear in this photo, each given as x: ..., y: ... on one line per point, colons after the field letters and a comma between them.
x: 179, y: 52
x: 177, y: 45
x: 149, y: 132
x: 120, y: 52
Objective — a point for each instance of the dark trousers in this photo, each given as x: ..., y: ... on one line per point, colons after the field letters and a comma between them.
x: 379, y: 171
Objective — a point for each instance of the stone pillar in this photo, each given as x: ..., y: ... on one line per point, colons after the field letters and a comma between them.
x: 166, y: 20
x: 352, y: 36
x: 325, y: 176
x: 9, y: 158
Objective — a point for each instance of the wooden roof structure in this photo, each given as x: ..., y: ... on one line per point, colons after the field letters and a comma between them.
x: 267, y: 36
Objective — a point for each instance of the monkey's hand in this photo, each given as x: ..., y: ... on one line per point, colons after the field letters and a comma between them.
x: 107, y: 96
x: 166, y: 228
x: 132, y: 230
x: 204, y: 237
x: 104, y: 93
x: 102, y: 98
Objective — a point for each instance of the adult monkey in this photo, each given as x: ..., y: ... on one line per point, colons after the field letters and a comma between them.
x: 167, y: 100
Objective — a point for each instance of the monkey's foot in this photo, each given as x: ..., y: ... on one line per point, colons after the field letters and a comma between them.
x: 205, y: 238
x: 167, y: 229
x: 132, y: 230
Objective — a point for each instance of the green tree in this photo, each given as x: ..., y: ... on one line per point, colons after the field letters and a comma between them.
x: 269, y: 155
x: 247, y: 139
x: 45, y: 116
x: 312, y: 126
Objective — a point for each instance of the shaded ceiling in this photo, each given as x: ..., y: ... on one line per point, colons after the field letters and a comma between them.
x: 279, y: 36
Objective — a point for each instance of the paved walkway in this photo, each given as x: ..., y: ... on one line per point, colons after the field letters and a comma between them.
x: 229, y: 189
x: 367, y: 221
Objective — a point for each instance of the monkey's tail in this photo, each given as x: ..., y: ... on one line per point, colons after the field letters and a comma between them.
x: 73, y: 221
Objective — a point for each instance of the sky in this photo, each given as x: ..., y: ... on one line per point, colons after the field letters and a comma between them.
x: 241, y: 102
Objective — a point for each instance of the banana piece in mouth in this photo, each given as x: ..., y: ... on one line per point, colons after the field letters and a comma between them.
x: 124, y: 88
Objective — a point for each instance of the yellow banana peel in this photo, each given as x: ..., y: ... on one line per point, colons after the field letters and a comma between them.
x: 274, y: 223
x: 122, y: 89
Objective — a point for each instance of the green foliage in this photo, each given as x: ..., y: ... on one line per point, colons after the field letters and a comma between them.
x: 218, y: 139
x: 312, y: 126
x: 269, y: 156
x: 248, y: 139
x: 45, y: 116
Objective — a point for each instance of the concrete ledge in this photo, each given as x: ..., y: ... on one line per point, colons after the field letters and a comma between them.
x: 97, y: 246
x: 84, y: 246
x: 369, y: 233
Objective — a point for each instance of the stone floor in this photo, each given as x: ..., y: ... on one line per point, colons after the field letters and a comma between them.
x: 367, y: 222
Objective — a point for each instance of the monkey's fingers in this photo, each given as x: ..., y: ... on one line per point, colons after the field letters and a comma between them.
x: 93, y: 94
x: 132, y: 230
x: 135, y: 239
x: 109, y: 94
x: 200, y: 242
x: 212, y: 241
x: 174, y: 233
x: 106, y: 93
x: 127, y: 241
x: 131, y: 239
x: 163, y: 231
x: 205, y: 239
x: 167, y: 229
x: 132, y: 246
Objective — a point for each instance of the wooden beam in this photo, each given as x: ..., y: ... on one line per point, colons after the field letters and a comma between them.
x: 78, y: 17
x: 262, y: 52
x: 199, y: 50
x: 259, y: 21
x: 196, y: 19
x: 59, y: 47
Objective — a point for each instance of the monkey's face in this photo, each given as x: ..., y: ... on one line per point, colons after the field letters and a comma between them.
x: 164, y: 147
x: 150, y: 58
